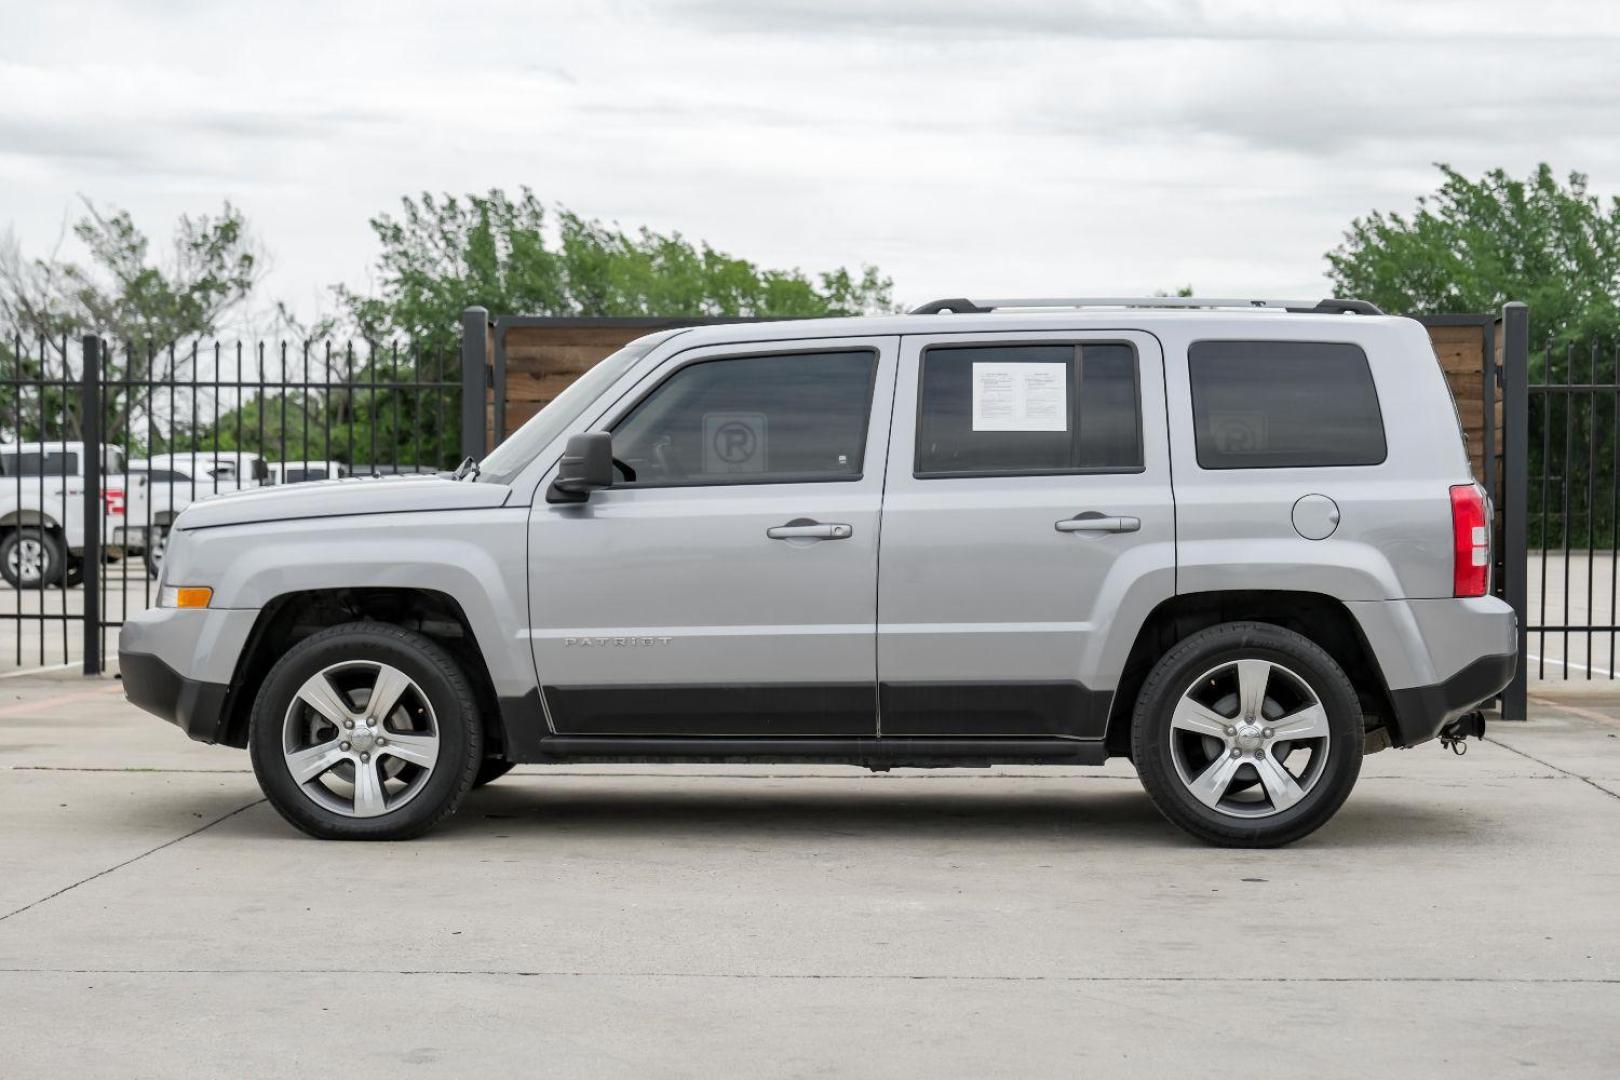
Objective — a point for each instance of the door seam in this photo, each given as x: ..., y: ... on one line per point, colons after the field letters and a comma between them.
x: 877, y: 554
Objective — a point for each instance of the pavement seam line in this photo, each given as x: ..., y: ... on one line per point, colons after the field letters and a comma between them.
x: 132, y: 859
x: 1587, y: 780
x: 1573, y: 980
x: 547, y: 772
x: 123, y: 769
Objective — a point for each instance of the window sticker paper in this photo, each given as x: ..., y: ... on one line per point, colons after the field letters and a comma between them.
x: 1020, y: 397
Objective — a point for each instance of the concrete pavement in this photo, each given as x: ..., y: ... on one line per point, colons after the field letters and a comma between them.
x: 1458, y: 918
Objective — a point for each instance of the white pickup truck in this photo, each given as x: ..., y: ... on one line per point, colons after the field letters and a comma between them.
x: 166, y: 484
x: 42, y: 510
x: 304, y: 472
x: 42, y: 533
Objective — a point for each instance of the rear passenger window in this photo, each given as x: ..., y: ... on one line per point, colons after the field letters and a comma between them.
x: 1028, y: 410
x: 1283, y: 404
x: 31, y: 463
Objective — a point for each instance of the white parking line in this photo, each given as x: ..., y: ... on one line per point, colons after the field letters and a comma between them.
x: 1557, y: 663
x: 39, y: 670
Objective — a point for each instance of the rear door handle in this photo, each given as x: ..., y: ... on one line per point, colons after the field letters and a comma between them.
x: 1092, y: 521
x: 810, y: 530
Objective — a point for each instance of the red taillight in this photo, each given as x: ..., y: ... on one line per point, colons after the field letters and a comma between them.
x: 1470, y: 542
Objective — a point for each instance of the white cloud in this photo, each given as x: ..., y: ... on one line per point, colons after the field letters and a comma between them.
x: 1017, y: 147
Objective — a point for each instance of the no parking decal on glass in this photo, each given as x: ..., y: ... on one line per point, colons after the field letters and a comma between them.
x: 735, y: 442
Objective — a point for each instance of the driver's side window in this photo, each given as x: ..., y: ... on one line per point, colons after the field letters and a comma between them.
x: 775, y: 419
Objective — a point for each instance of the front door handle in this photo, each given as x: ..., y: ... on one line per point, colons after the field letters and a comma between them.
x: 810, y: 530
x: 1091, y: 521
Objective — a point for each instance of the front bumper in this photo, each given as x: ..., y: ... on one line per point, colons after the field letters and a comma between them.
x: 1422, y: 711
x: 194, y: 706
x: 180, y: 664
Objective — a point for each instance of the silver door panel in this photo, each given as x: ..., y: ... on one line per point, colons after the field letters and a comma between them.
x: 979, y: 589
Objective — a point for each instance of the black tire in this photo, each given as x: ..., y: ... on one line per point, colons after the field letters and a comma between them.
x: 439, y: 679
x: 1182, y: 670
x: 491, y: 770
x: 75, y: 573
x: 152, y: 555
x: 52, y: 554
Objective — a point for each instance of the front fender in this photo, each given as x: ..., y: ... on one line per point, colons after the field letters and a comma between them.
x: 476, y: 557
x: 29, y: 517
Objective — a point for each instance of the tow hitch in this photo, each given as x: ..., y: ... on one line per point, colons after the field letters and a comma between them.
x: 1453, y: 734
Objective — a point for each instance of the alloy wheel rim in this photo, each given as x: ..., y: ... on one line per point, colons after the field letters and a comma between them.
x: 27, y: 560
x: 360, y: 738
x: 1249, y: 738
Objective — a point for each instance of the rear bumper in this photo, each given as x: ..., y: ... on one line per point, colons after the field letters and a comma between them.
x: 1421, y: 711
x: 194, y: 706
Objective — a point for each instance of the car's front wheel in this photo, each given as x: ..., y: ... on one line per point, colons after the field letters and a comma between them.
x: 365, y: 731
x: 1247, y: 735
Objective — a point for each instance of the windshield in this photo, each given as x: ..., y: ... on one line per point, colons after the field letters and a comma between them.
x: 508, y: 459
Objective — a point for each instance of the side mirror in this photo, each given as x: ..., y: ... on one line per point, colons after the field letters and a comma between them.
x: 587, y: 464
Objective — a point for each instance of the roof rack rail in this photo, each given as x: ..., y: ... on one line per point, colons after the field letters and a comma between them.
x: 964, y: 306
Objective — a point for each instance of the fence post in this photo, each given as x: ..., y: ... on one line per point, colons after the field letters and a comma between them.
x: 474, y: 382
x: 90, y: 426
x: 1516, y: 490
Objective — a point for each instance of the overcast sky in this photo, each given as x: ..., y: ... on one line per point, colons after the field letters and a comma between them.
x: 966, y: 147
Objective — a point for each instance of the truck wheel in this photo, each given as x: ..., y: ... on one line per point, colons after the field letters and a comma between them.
x: 75, y: 573
x: 1247, y: 735
x: 31, y: 557
x: 491, y: 770
x: 153, y: 553
x: 365, y: 731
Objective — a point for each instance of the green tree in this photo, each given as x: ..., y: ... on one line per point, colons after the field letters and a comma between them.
x: 143, y: 307
x: 375, y: 411
x: 1473, y: 245
x: 443, y: 254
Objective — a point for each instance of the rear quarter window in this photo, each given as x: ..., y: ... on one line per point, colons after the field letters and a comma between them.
x: 32, y: 463
x: 1284, y: 404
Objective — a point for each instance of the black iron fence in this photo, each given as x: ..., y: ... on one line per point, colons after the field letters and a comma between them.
x: 39, y: 393
x: 102, y: 445
x: 1572, y: 524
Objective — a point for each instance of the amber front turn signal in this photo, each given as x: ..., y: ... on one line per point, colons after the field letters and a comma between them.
x: 185, y: 596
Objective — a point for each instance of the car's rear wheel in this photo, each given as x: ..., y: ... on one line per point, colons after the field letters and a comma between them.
x: 365, y: 732
x: 32, y: 557
x: 1247, y: 735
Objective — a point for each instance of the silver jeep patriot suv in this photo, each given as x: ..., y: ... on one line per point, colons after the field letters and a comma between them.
x: 1237, y: 542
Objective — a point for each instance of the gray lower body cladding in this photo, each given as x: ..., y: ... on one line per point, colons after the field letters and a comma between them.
x: 198, y: 708
x: 1019, y: 710
x: 194, y: 706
